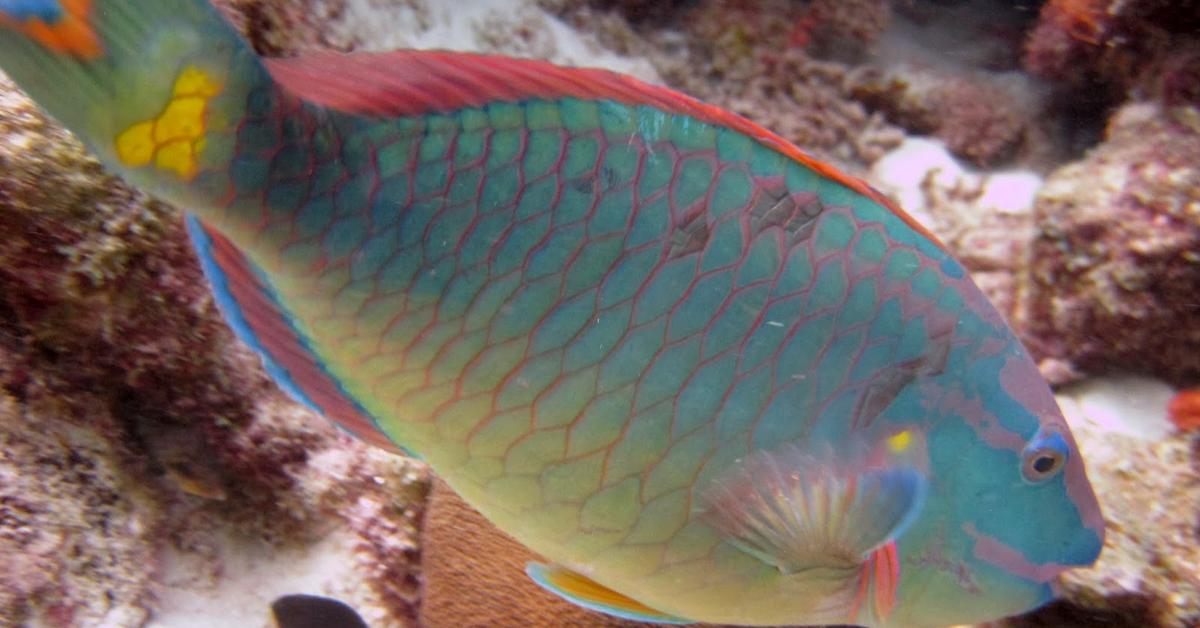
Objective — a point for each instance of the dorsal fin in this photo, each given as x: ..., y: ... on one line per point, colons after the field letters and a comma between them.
x: 415, y: 82
x: 252, y: 309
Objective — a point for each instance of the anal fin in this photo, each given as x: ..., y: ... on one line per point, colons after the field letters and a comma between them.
x: 585, y: 592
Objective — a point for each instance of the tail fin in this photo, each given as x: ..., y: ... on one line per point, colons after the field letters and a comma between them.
x: 155, y: 88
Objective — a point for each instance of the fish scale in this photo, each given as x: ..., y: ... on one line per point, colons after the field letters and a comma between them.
x: 709, y: 376
x: 560, y: 376
x: 581, y: 411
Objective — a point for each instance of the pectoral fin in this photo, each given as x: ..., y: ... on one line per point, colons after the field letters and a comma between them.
x: 585, y: 592
x: 825, y: 512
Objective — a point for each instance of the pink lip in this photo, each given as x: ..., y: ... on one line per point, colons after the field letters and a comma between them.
x: 991, y: 550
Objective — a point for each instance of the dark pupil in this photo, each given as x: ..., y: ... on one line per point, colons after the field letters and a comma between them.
x: 1043, y: 464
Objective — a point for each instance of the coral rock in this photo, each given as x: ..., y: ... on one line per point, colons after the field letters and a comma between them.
x: 474, y: 575
x: 1115, y: 267
x: 1150, y: 47
x: 843, y: 28
x: 1149, y: 489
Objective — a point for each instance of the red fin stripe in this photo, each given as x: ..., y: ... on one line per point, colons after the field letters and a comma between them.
x: 409, y: 82
x: 880, y: 575
x: 284, y: 346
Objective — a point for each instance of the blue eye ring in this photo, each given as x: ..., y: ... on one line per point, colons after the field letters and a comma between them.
x: 1044, y: 457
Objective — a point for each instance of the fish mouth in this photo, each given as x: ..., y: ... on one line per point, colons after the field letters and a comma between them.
x: 1082, y: 551
x: 1085, y: 550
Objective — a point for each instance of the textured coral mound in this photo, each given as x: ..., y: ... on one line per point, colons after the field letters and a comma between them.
x: 474, y: 575
x: 1151, y: 47
x: 1116, y: 263
x: 976, y: 118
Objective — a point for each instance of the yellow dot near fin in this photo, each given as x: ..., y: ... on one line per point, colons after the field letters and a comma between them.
x: 900, y: 442
x: 174, y: 138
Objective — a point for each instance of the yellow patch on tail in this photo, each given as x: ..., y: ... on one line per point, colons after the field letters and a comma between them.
x: 72, y: 33
x: 174, y: 138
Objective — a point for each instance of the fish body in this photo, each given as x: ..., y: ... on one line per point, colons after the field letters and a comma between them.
x: 709, y: 377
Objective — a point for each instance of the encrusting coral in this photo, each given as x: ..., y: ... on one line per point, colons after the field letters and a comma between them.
x: 1147, y: 48
x: 1115, y: 264
x: 742, y: 56
x: 474, y: 575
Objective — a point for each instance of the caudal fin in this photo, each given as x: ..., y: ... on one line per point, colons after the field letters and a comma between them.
x: 153, y: 87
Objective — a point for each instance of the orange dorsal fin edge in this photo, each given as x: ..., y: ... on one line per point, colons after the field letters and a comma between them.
x: 417, y: 82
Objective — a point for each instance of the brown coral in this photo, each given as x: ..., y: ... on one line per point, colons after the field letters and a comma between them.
x: 976, y: 118
x: 1125, y: 46
x: 474, y: 575
x: 1115, y: 266
x: 843, y: 29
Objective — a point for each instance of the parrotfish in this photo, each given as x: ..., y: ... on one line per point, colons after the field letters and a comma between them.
x: 706, y: 376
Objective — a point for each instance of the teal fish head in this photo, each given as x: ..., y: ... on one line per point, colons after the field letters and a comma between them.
x: 1010, y: 506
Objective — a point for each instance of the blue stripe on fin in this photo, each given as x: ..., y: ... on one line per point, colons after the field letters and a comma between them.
x: 48, y: 11
x: 249, y: 304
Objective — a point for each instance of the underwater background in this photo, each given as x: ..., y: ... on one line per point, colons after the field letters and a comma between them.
x: 152, y: 475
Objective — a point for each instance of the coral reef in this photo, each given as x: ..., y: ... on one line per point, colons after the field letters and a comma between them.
x: 738, y: 58
x: 1147, y: 47
x: 1115, y: 267
x: 842, y: 29
x: 281, y: 28
x: 516, y: 28
x: 979, y: 118
x: 136, y: 432
x: 742, y: 56
x: 1149, y: 490
x: 76, y: 531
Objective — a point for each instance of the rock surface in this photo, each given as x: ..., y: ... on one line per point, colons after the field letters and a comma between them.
x: 474, y: 575
x: 1149, y: 489
x: 1115, y: 265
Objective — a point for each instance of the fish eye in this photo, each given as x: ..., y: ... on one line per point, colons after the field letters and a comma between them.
x: 1044, y: 457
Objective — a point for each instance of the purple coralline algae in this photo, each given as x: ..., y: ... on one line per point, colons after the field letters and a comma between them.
x: 1115, y: 265
x: 1147, y: 48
